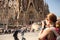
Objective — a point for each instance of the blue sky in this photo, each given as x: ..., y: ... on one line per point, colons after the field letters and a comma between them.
x: 54, y: 6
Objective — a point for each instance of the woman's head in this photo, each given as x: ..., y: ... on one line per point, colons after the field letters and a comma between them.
x: 51, y: 18
x: 58, y: 24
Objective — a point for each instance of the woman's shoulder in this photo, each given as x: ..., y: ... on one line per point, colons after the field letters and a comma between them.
x: 52, y: 28
x: 47, y: 30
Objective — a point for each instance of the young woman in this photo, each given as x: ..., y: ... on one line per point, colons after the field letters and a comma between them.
x: 47, y: 34
x: 58, y: 26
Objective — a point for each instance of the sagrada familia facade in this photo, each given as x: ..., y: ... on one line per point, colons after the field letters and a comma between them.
x: 21, y: 12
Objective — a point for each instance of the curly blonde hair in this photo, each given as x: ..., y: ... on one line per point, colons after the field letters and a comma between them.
x: 58, y: 24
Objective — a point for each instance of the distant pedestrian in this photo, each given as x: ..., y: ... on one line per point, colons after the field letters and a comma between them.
x: 15, y: 35
x: 22, y: 34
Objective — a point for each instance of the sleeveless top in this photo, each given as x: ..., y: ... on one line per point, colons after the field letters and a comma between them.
x: 51, y: 35
x: 58, y: 30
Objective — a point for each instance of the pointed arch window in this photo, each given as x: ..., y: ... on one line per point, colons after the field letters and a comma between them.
x: 25, y: 4
x: 31, y: 15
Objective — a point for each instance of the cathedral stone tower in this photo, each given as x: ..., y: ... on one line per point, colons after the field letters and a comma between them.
x: 32, y: 11
x: 21, y: 12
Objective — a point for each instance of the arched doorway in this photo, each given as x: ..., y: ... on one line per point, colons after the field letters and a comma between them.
x: 31, y: 22
x: 31, y: 17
